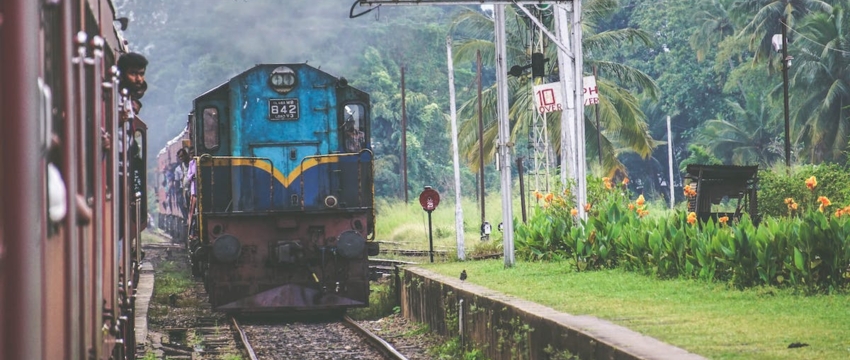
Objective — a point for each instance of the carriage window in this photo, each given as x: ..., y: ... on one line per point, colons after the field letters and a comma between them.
x: 211, y: 128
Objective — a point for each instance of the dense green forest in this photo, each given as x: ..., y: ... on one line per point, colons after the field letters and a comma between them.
x: 709, y: 65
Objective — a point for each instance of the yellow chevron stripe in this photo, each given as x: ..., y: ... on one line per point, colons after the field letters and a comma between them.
x: 266, y: 166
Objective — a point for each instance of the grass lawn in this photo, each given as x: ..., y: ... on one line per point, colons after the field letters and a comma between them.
x: 706, y: 319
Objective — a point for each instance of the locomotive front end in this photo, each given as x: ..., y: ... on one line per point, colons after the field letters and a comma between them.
x: 284, y: 191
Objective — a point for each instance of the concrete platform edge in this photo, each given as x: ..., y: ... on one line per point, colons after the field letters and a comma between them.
x: 586, y: 336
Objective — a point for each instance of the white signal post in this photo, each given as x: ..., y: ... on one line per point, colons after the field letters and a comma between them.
x: 572, y: 120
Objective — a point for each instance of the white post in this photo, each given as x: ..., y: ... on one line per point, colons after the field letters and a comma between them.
x: 670, y: 161
x: 458, y: 210
x: 580, y: 148
x: 572, y: 118
x: 504, y: 134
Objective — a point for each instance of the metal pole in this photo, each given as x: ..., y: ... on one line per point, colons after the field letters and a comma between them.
x: 565, y: 74
x: 785, y: 91
x: 598, y: 129
x: 430, y: 237
x: 480, y: 142
x: 521, y: 171
x: 580, y: 148
x: 403, y: 138
x: 670, y: 161
x: 504, y: 135
x: 455, y: 155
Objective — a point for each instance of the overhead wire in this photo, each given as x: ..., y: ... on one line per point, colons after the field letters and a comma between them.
x: 827, y: 47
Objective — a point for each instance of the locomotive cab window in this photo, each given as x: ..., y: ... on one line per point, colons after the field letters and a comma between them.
x: 352, y: 126
x: 211, y: 136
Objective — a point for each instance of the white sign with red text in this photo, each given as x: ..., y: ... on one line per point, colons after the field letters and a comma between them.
x: 590, y: 93
x: 548, y: 98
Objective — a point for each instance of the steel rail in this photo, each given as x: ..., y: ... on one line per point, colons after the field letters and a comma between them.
x: 379, y: 344
x: 245, y: 342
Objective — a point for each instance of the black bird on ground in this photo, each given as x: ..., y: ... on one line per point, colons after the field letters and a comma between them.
x: 797, y: 345
x: 463, y: 275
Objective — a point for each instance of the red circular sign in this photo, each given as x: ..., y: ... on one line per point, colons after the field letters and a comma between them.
x: 429, y: 199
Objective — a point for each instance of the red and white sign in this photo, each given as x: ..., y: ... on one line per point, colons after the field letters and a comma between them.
x: 548, y: 98
x: 590, y: 93
x: 429, y: 199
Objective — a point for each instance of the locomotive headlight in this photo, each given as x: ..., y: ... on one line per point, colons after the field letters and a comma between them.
x: 282, y: 80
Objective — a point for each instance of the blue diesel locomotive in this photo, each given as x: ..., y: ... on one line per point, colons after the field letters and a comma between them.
x: 284, y: 207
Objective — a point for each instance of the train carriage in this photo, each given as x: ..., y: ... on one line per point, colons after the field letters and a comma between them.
x: 285, y: 196
x: 69, y: 234
x: 171, y: 203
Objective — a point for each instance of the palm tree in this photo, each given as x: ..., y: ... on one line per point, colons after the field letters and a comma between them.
x: 624, y: 122
x: 715, y: 25
x: 748, y: 139
x: 764, y: 18
x: 821, y: 83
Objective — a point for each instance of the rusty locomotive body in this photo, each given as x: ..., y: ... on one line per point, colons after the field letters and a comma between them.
x: 70, y: 229
x: 284, y: 198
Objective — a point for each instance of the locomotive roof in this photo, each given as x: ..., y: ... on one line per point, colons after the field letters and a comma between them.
x: 304, y: 64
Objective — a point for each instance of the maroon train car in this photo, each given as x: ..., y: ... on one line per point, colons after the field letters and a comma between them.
x: 69, y: 230
x: 171, y: 204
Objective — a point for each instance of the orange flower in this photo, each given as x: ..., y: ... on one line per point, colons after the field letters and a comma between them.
x: 820, y: 208
x: 793, y: 206
x: 723, y: 219
x: 839, y: 212
x: 549, y: 197
x: 812, y: 183
x: 574, y: 212
x: 640, y: 201
x: 642, y: 213
x: 607, y: 182
x: 789, y: 200
x: 538, y: 195
x: 587, y: 207
x: 824, y: 201
x: 692, y: 218
x: 631, y: 206
x: 625, y: 181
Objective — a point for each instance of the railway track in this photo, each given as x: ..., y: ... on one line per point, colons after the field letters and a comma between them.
x: 340, y: 339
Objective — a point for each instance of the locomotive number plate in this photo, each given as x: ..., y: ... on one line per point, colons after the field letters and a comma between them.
x: 284, y: 109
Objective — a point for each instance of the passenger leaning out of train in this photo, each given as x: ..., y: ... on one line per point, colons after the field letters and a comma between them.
x: 132, y: 67
x: 179, y: 187
x: 189, y: 183
x: 353, y: 137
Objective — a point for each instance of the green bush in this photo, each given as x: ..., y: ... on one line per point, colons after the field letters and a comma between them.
x: 775, y: 185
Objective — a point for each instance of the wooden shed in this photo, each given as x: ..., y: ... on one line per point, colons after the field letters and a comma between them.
x: 713, y: 183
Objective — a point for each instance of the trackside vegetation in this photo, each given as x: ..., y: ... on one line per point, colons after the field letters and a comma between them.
x: 805, y: 249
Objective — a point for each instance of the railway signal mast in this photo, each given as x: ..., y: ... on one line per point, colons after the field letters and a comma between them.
x: 567, y: 36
